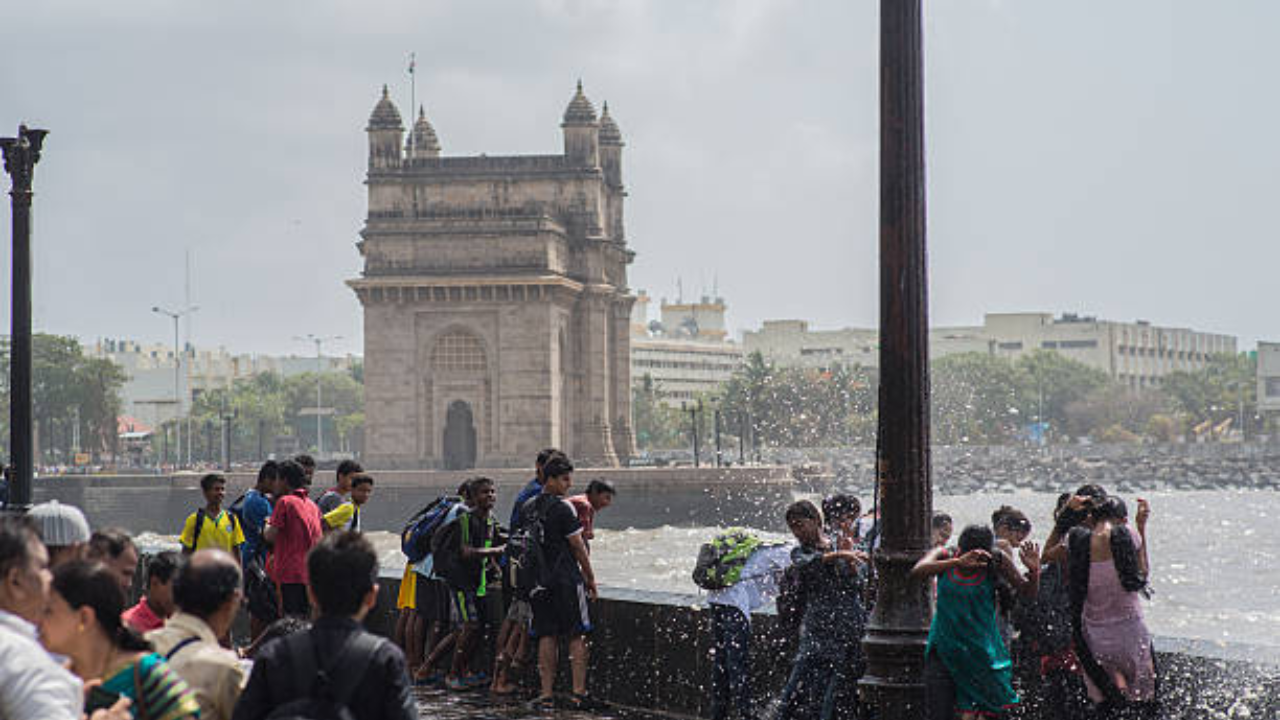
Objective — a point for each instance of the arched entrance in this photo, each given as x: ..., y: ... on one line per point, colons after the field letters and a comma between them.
x: 459, y: 437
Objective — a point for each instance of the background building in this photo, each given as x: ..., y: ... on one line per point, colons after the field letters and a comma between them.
x: 148, y: 394
x: 687, y: 353
x: 1269, y: 378
x: 1138, y: 354
x: 496, y: 309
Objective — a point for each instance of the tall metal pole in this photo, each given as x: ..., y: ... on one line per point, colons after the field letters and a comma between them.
x: 719, y: 460
x: 319, y: 341
x: 176, y: 316
x: 177, y: 393
x: 20, y: 157
x: 899, y: 626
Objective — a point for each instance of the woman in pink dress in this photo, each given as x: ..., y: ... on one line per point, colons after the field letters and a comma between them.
x: 1108, y: 569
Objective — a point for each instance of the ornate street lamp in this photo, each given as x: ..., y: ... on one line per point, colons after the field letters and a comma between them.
x: 899, y: 626
x: 20, y: 157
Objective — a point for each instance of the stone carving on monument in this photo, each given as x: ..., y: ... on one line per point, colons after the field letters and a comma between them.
x: 495, y: 299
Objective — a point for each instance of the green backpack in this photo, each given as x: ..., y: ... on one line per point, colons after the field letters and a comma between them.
x: 720, y: 561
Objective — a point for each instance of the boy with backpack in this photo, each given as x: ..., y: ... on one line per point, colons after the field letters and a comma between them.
x: 513, y: 637
x: 211, y: 526
x: 464, y: 551
x: 336, y: 669
x: 556, y: 569
x: 432, y: 604
x: 741, y: 573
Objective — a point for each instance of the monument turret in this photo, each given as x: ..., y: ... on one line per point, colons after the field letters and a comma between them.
x: 581, y: 132
x: 610, y: 149
x: 422, y: 142
x: 386, y: 133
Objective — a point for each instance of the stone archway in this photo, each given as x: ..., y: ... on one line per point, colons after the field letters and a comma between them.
x: 459, y: 437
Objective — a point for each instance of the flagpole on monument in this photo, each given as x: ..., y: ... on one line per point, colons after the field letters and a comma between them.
x: 413, y: 98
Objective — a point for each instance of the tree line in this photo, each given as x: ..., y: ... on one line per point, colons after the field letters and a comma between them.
x: 976, y: 398
x: 77, y: 401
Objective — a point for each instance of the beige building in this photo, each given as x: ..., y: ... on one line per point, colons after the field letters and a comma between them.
x: 496, y: 309
x: 1138, y: 354
x: 1269, y: 378
x: 148, y: 391
x: 687, y: 352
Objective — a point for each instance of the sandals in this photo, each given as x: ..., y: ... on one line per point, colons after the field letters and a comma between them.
x: 584, y: 702
x: 432, y: 679
x: 542, y: 703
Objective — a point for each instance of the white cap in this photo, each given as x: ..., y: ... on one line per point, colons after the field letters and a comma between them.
x: 60, y: 525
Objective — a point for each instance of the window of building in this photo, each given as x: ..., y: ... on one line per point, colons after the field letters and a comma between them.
x: 1049, y: 345
x: 1069, y: 344
x: 1273, y: 387
x: 1010, y: 346
x: 458, y: 351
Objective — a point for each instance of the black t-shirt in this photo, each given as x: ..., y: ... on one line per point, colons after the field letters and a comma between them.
x: 471, y: 529
x: 559, y: 523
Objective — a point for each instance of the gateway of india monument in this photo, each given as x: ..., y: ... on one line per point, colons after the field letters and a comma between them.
x: 496, y: 308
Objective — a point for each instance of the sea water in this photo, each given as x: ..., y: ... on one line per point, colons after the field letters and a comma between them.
x: 1214, y: 556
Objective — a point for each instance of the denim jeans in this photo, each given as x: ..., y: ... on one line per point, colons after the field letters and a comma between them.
x: 807, y: 693
x: 731, y: 669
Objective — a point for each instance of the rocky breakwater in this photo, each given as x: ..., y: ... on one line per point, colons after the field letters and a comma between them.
x: 1124, y: 468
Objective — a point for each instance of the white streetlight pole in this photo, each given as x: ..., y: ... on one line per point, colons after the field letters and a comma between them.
x: 177, y: 372
x: 319, y: 341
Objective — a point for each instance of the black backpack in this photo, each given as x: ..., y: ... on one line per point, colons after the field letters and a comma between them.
x: 525, y: 553
x: 326, y: 690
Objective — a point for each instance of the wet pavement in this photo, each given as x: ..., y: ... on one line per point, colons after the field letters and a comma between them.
x: 441, y: 704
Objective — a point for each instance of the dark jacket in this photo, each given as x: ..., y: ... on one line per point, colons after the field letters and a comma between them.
x: 383, y: 693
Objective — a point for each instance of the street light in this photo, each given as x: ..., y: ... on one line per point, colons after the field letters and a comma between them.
x: 20, y: 157
x: 319, y: 341
x: 176, y: 316
x: 899, y: 625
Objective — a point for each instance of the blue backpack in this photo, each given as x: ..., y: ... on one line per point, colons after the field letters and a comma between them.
x: 415, y: 539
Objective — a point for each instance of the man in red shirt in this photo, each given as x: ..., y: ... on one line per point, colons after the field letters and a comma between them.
x: 292, y: 530
x: 599, y: 495
x: 157, y: 605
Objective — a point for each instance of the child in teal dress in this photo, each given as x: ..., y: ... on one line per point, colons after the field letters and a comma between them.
x: 968, y: 670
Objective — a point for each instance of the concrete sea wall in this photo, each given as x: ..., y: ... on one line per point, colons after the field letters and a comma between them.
x: 653, y: 496
x: 651, y: 650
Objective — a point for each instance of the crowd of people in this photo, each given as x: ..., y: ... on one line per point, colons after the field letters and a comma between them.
x: 483, y: 604
x: 481, y: 598
x: 1064, y: 623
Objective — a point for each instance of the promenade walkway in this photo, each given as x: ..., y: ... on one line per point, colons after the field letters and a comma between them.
x: 438, y: 704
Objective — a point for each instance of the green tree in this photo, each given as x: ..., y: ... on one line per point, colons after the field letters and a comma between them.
x: 66, y: 387
x: 1225, y: 387
x: 1052, y: 382
x: 657, y: 426
x: 976, y: 398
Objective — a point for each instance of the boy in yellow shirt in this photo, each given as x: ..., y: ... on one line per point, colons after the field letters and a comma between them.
x: 211, y: 526
x: 347, y: 515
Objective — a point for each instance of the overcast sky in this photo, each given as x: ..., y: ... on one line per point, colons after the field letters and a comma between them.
x: 1111, y: 158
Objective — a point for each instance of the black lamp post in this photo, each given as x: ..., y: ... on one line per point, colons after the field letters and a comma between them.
x: 20, y: 157
x: 899, y: 626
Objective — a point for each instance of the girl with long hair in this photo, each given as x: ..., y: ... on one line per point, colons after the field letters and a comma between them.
x: 968, y: 671
x: 83, y: 623
x: 1108, y: 570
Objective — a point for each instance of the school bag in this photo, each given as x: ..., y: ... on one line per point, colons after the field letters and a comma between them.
x: 237, y: 507
x: 525, y: 554
x: 720, y: 561
x: 415, y: 539
x: 326, y: 688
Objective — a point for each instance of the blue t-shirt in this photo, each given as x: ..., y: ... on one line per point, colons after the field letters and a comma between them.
x: 530, y: 491
x: 256, y: 510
